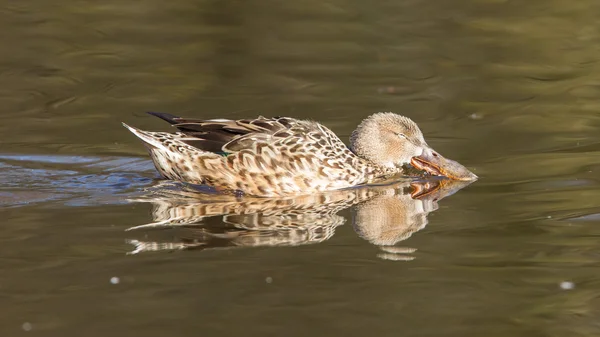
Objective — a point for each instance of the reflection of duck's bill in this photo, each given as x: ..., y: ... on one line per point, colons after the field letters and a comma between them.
x: 422, y: 189
x: 435, y: 164
x: 436, y: 189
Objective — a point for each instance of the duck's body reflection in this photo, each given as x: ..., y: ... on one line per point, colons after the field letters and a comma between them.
x: 383, y: 215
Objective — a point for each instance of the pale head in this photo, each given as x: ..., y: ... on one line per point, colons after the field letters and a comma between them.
x: 388, y: 139
x: 391, y: 140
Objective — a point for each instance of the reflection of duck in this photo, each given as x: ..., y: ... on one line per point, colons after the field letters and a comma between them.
x: 384, y: 215
x: 389, y: 217
x: 285, y: 156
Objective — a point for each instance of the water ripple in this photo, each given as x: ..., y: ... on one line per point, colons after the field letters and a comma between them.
x: 75, y: 180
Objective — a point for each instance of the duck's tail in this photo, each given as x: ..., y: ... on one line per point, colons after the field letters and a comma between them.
x: 173, y: 158
x: 150, y: 139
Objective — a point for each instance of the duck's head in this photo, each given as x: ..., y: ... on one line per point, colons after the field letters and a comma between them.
x: 392, y: 140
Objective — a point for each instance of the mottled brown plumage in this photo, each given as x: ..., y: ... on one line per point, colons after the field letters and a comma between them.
x: 284, y: 156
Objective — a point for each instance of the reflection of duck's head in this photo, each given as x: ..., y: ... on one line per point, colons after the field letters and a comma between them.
x: 392, y: 216
x: 391, y: 140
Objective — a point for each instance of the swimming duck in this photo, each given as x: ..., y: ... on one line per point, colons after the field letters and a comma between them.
x: 283, y: 156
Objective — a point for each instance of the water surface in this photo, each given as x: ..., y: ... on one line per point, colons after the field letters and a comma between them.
x: 510, y: 89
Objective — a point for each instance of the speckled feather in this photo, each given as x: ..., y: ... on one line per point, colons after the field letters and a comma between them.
x: 261, y: 157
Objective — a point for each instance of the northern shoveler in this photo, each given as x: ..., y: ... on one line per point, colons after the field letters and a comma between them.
x: 283, y: 156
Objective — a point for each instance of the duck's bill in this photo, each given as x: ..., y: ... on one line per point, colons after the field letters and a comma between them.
x: 435, y: 164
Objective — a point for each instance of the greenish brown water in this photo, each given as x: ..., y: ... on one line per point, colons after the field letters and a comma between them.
x: 510, y: 89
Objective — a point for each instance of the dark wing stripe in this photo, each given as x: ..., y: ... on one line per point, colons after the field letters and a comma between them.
x: 214, y: 136
x: 172, y: 119
x: 206, y: 145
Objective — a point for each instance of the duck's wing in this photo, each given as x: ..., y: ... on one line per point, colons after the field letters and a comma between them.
x: 230, y: 136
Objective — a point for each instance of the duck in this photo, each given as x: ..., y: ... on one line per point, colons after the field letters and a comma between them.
x: 284, y: 156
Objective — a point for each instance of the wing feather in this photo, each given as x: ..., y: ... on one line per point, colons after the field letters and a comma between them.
x: 232, y: 136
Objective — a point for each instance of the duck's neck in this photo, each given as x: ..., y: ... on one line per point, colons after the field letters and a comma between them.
x: 373, y: 171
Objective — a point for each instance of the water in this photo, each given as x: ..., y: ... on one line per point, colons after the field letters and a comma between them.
x: 510, y: 89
